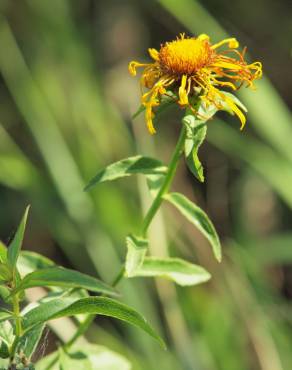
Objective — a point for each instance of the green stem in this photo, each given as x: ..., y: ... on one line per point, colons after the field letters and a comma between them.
x: 167, y: 182
x: 18, y: 325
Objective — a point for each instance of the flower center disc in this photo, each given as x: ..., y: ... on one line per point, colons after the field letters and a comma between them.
x: 185, y: 56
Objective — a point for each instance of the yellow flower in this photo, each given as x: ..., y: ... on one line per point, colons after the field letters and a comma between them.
x: 193, y: 67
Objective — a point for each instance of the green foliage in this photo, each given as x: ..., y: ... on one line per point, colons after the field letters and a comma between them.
x: 198, y: 218
x: 15, y: 246
x: 65, y: 278
x: 175, y: 269
x: 128, y: 167
x: 136, y: 250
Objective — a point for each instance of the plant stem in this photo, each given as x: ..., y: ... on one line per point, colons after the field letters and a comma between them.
x: 18, y: 326
x: 167, y: 182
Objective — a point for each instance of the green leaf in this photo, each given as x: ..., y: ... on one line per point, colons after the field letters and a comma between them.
x: 4, y: 315
x: 197, y: 217
x: 30, y: 261
x: 136, y: 250
x: 4, y: 350
x: 92, y: 305
x: 176, y: 269
x: 154, y: 183
x: 44, y: 311
x: 3, y: 252
x: 6, y: 332
x: 128, y: 167
x: 15, y: 246
x: 196, y: 134
x: 5, y: 273
x: 29, y: 341
x: 62, y: 277
x: 87, y: 357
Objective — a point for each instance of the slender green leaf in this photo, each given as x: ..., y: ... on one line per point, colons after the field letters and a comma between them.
x: 62, y: 277
x: 197, y: 217
x: 154, y: 183
x: 15, y: 245
x: 128, y: 167
x: 4, y: 350
x: 196, y: 133
x: 176, y: 269
x: 136, y: 250
x: 92, y: 305
x: 44, y: 311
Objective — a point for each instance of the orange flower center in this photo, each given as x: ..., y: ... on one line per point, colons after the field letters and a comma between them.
x: 185, y: 56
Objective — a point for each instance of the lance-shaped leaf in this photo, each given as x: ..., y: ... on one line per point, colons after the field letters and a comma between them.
x: 136, y: 250
x: 196, y: 132
x: 62, y: 277
x: 176, y: 269
x: 15, y: 246
x: 92, y: 305
x: 128, y: 167
x: 197, y: 217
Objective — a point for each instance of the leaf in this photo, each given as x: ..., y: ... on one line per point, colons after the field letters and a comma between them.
x: 15, y: 246
x: 4, y: 315
x: 176, y: 269
x: 128, y: 167
x: 197, y: 217
x: 62, y: 277
x: 3, y: 252
x: 136, y: 250
x: 154, y: 183
x: 29, y: 341
x: 6, y: 332
x: 30, y: 261
x: 87, y: 357
x: 40, y: 314
x: 92, y: 305
x: 196, y: 133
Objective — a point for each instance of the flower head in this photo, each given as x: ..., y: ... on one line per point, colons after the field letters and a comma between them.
x: 193, y: 68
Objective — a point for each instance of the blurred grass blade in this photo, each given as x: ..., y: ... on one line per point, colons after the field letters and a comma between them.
x: 66, y: 278
x: 175, y: 269
x: 136, y: 250
x: 16, y: 243
x: 198, y: 218
x: 93, y: 305
x: 128, y: 167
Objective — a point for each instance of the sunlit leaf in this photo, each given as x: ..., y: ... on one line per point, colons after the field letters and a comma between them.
x: 127, y: 167
x: 92, y: 305
x: 136, y: 250
x: 62, y: 277
x: 197, y: 217
x: 176, y: 269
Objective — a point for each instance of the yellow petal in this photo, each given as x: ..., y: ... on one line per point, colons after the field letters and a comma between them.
x: 153, y: 53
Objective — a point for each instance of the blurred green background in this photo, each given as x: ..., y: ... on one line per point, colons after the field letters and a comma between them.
x: 66, y: 101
